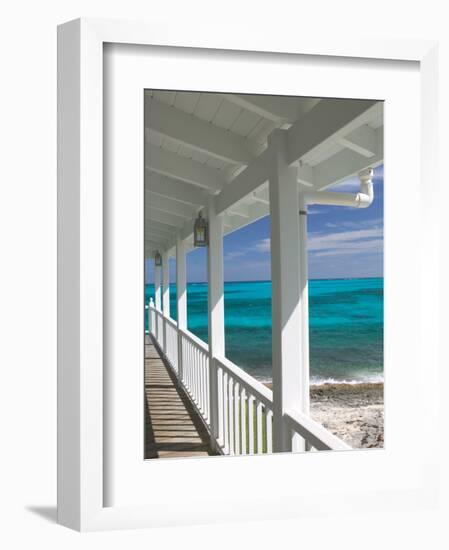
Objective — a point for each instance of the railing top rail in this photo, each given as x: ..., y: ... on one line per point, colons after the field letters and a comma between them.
x: 171, y: 322
x: 314, y: 433
x: 253, y: 386
x: 161, y: 314
x: 194, y: 339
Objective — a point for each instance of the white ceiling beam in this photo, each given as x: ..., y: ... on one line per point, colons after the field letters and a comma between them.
x: 158, y: 234
x: 168, y: 121
x: 240, y: 210
x: 155, y: 240
x: 279, y: 109
x: 164, y: 217
x: 165, y: 204
x: 261, y: 197
x: 170, y: 164
x: 328, y: 120
x: 166, y: 230
x: 306, y: 175
x: 331, y: 119
x: 257, y: 211
x: 154, y: 245
x: 361, y: 140
x: 245, y: 183
x: 175, y: 189
x: 227, y: 221
x: 345, y: 164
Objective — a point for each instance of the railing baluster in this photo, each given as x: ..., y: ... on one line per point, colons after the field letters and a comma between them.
x: 203, y: 402
x: 243, y: 420
x: 231, y: 416
x: 200, y: 382
x: 269, y: 421
x: 237, y: 418
x: 198, y: 377
x: 192, y: 365
x: 225, y: 413
x: 220, y: 406
x: 259, y: 427
x: 206, y: 400
x: 251, y: 424
x: 189, y: 370
x: 203, y: 384
x: 195, y: 374
x: 207, y: 370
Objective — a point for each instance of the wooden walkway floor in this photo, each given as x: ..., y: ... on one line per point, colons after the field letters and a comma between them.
x: 172, y: 426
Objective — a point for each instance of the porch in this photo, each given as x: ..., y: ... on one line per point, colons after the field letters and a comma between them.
x: 201, y: 157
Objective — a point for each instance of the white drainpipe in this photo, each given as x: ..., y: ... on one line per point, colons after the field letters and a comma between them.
x: 360, y: 200
x: 363, y: 199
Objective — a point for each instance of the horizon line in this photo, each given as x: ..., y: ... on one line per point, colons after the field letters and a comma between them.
x: 269, y: 280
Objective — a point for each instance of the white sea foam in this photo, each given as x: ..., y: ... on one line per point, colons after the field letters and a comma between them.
x: 374, y: 379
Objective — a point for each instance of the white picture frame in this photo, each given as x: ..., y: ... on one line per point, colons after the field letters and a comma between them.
x: 82, y: 491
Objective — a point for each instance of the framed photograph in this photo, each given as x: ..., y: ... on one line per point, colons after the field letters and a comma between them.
x: 242, y: 224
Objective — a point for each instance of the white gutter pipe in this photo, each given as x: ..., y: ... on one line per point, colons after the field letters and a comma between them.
x: 363, y: 199
x: 360, y: 200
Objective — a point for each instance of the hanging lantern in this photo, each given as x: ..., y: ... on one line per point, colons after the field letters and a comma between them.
x: 200, y: 236
x: 157, y: 259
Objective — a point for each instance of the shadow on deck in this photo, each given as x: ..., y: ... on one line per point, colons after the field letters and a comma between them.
x: 173, y: 428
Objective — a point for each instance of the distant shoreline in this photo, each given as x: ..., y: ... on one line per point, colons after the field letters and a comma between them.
x: 269, y: 280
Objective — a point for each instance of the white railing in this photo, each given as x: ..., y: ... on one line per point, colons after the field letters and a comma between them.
x: 151, y: 319
x: 245, y: 415
x: 195, y: 371
x: 160, y: 329
x: 313, y: 432
x: 171, y: 342
x: 244, y: 405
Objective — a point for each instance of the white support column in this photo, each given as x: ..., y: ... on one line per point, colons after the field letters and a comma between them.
x: 157, y: 297
x: 287, y: 344
x: 298, y: 443
x: 215, y: 310
x: 165, y: 285
x: 157, y: 287
x: 181, y: 297
x: 165, y: 296
x: 147, y: 315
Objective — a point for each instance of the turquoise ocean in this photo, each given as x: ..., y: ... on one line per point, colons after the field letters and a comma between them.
x: 345, y: 326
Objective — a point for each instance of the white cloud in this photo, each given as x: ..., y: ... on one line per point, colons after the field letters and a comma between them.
x: 235, y: 254
x: 263, y: 245
x: 319, y: 210
x: 369, y: 240
x: 357, y: 238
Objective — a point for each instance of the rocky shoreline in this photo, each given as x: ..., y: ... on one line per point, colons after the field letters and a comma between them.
x: 353, y: 412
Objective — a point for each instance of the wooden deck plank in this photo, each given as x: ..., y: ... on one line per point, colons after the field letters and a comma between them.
x: 173, y: 428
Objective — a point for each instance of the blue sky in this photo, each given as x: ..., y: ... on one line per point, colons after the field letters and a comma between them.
x: 342, y: 242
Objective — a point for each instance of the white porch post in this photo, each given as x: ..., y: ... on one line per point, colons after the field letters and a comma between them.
x: 287, y: 289
x: 304, y: 366
x: 215, y: 309
x: 157, y: 296
x: 181, y: 297
x: 157, y: 286
x: 165, y: 298
x: 165, y: 285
